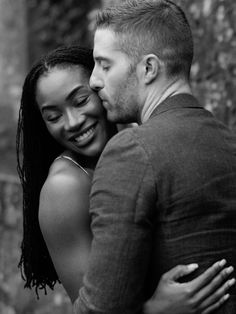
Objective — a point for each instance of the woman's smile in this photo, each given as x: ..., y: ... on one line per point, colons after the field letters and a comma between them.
x: 84, y: 137
x: 72, y: 112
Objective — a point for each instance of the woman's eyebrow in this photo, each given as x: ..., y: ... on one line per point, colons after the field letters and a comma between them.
x: 73, y: 92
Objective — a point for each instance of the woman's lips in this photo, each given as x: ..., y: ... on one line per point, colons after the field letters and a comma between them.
x: 85, y: 137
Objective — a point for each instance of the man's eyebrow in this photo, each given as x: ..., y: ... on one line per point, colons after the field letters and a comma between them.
x: 73, y: 92
x: 99, y: 59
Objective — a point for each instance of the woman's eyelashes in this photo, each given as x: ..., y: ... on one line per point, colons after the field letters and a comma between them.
x: 52, y: 117
x: 80, y: 101
x: 55, y: 115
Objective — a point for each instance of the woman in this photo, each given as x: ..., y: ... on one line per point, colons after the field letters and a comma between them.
x: 62, y: 131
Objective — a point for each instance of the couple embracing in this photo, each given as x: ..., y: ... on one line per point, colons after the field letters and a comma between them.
x: 163, y: 192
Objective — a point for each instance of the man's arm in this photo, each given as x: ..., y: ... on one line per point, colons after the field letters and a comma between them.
x: 122, y: 208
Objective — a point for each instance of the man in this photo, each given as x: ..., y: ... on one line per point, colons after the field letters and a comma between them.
x: 164, y: 193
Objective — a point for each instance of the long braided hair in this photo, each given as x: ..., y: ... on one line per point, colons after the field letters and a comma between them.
x: 36, y: 150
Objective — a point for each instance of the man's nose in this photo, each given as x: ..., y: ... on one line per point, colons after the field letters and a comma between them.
x: 74, y: 120
x: 95, y: 82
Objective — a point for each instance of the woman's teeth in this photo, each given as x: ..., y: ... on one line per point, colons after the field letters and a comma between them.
x: 84, y: 135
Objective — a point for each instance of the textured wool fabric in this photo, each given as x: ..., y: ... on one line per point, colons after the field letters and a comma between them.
x: 163, y: 194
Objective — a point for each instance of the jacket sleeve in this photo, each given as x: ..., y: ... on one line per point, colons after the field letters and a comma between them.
x: 122, y: 204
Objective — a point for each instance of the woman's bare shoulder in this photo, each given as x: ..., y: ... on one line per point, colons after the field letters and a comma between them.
x: 64, y: 198
x: 65, y: 177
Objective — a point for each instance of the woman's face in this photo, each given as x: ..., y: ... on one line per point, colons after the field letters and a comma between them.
x: 72, y: 112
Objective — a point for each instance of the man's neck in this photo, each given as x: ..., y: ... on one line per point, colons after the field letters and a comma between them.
x: 158, y: 95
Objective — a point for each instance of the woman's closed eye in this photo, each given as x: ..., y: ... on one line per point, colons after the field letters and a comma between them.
x: 80, y: 101
x: 51, y: 116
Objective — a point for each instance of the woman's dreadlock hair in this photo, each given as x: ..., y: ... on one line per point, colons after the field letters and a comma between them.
x: 36, y: 150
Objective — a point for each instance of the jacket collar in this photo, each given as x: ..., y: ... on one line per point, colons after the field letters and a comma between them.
x: 176, y: 101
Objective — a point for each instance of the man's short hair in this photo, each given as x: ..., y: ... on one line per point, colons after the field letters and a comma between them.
x: 152, y: 26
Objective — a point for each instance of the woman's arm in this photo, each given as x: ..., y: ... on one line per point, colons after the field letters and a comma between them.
x: 64, y: 222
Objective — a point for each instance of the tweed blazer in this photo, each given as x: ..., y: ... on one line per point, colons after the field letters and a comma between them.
x: 163, y: 194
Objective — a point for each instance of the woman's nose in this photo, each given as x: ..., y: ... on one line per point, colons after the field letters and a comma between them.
x: 74, y: 120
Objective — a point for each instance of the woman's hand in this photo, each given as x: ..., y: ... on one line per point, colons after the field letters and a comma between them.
x: 202, y: 295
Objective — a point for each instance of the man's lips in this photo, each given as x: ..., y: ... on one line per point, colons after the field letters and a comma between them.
x: 103, y: 99
x: 105, y: 103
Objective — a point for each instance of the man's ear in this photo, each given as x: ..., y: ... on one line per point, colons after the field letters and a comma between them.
x: 152, y: 66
